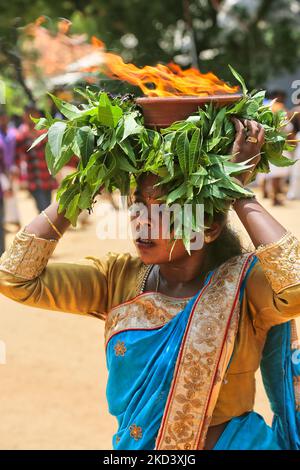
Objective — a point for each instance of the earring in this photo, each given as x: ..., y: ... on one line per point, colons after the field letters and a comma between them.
x: 207, y: 238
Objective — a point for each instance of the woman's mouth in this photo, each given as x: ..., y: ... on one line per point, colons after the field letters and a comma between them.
x: 144, y: 243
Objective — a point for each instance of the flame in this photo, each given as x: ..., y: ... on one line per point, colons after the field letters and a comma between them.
x: 162, y: 80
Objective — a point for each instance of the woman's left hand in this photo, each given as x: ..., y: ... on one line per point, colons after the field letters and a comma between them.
x: 250, y: 137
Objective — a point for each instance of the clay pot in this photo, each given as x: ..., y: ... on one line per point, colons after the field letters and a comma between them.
x: 161, y: 112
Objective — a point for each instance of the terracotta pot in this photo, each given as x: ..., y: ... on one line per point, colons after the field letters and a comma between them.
x: 163, y: 111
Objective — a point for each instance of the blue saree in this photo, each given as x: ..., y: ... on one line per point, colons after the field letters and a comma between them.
x: 280, y: 368
x: 151, y: 359
x: 139, y: 381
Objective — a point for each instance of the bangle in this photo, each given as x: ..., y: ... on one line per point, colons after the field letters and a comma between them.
x: 52, y: 224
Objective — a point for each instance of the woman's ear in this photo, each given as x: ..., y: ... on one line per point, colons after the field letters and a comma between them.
x: 211, y: 233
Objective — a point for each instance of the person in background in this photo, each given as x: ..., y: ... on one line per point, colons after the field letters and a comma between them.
x: 4, y: 182
x: 39, y: 181
x: 8, y: 149
x: 2, y: 172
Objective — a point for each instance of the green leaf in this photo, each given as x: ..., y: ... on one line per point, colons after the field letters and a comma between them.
x: 64, y: 158
x: 182, y: 148
x: 216, y: 127
x: 194, y: 148
x: 239, y: 79
x: 124, y: 164
x: 281, y: 160
x: 130, y: 126
x: 40, y: 123
x: 38, y: 140
x: 50, y: 160
x: 55, y: 137
x: 73, y: 209
x: 85, y: 140
x: 176, y: 193
x: 67, y: 109
x: 127, y: 148
x: 85, y: 198
x: 108, y: 114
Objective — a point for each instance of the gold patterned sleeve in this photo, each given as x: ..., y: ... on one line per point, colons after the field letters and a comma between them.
x: 273, y: 286
x: 28, y: 278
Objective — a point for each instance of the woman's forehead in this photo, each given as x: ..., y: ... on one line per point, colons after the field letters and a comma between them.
x: 145, y: 187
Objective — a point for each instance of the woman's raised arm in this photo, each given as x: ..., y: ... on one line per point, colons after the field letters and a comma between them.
x: 28, y: 278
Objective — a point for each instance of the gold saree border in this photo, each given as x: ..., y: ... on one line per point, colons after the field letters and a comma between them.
x: 148, y: 310
x: 202, y: 360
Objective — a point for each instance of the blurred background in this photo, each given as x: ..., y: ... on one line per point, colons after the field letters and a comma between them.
x: 53, y: 382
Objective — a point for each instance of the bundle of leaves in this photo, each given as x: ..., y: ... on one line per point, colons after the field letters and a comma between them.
x: 192, y: 157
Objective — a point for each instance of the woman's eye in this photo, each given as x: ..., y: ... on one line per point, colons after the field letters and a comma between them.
x: 137, y: 209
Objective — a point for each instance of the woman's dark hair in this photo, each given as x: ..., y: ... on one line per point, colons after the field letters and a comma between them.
x: 226, y: 246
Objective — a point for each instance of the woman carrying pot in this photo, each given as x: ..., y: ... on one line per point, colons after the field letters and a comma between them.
x: 183, y: 336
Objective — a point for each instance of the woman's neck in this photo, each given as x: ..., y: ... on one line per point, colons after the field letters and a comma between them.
x: 185, y: 277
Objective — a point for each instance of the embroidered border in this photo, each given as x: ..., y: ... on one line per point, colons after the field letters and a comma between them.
x: 204, y: 354
x: 146, y: 311
x: 281, y: 262
x: 27, y: 255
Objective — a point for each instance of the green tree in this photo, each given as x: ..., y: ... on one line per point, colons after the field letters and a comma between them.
x: 259, y: 38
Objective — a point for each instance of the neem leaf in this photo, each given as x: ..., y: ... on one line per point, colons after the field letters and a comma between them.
x: 85, y: 140
x: 38, y: 140
x: 85, y: 198
x: 50, y: 160
x: 67, y: 109
x: 194, y: 148
x: 73, y: 209
x: 176, y: 193
x: 55, y: 137
x: 108, y: 113
x: 280, y: 160
x: 64, y: 158
x: 40, y: 123
x: 239, y: 79
x: 130, y: 126
x: 182, y: 148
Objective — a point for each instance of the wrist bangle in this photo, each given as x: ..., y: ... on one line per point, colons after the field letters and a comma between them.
x: 52, y: 224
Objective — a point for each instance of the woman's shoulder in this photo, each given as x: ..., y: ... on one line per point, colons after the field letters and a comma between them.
x: 114, y: 262
x: 123, y: 272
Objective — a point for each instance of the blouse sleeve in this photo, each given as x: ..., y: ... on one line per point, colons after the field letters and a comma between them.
x: 28, y: 278
x: 273, y: 287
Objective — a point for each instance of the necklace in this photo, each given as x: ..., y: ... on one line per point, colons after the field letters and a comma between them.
x: 146, y: 275
x: 149, y: 268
